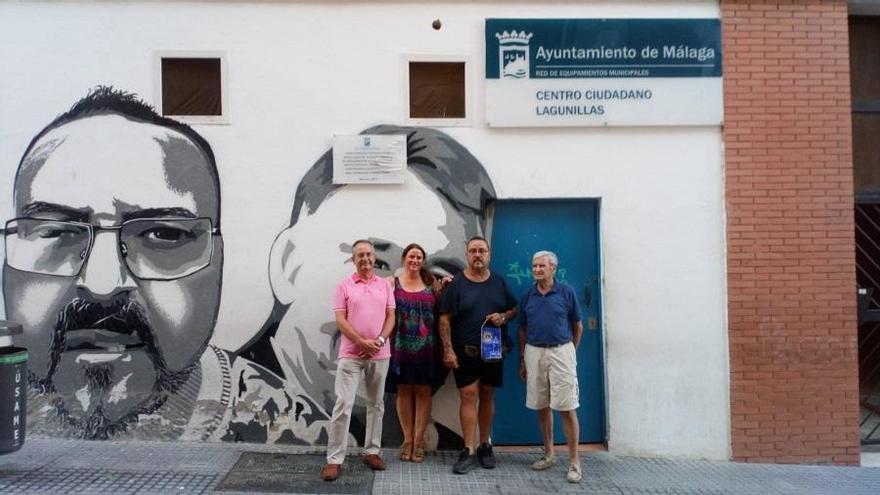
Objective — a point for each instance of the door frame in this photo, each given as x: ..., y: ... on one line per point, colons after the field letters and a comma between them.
x: 600, y: 253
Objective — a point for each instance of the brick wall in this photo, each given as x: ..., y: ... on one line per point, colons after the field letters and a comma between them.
x: 791, y: 254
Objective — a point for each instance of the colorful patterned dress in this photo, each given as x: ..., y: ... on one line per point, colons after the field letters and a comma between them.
x: 414, y: 356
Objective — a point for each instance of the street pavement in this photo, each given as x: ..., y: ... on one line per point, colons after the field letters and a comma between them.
x: 76, y: 466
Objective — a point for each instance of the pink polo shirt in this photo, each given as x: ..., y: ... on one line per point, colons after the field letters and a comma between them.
x: 364, y: 303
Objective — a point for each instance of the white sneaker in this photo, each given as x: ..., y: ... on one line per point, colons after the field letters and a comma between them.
x: 574, y: 473
x: 543, y: 463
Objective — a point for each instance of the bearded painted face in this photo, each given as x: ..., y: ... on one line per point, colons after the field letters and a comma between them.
x: 113, y: 267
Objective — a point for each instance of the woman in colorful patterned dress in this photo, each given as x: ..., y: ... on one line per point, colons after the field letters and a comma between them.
x: 414, y: 360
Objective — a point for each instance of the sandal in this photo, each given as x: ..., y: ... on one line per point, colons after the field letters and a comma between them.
x: 418, y: 454
x: 406, y: 451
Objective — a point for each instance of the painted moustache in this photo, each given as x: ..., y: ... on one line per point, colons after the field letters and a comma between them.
x: 116, y: 326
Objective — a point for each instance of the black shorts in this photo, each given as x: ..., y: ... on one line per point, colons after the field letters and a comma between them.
x: 471, y: 369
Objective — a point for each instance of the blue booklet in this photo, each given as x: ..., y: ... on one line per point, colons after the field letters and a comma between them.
x: 490, y: 343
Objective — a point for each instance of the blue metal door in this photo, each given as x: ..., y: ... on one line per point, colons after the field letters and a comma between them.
x: 570, y: 229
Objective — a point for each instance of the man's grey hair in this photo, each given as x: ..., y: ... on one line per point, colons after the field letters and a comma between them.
x: 551, y: 257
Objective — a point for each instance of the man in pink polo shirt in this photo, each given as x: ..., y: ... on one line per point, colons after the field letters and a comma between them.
x: 364, y: 307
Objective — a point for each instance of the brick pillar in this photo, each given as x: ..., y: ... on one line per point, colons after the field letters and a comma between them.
x: 791, y: 251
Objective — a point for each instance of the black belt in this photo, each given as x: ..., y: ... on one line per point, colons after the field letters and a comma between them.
x: 547, y: 346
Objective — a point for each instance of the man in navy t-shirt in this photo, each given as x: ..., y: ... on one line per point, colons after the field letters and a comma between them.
x: 474, y: 297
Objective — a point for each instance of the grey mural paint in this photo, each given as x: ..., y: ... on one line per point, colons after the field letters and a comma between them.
x: 114, y: 268
x: 442, y: 204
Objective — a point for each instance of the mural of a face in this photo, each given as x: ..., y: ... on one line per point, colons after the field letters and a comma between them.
x: 443, y: 202
x: 319, y: 258
x: 104, y: 342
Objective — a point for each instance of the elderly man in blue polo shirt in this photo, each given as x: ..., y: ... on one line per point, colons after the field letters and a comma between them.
x: 549, y: 332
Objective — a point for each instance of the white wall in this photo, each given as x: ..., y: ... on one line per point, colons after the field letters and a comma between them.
x: 302, y: 71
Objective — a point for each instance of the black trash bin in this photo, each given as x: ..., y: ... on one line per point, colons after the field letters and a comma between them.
x: 13, y: 391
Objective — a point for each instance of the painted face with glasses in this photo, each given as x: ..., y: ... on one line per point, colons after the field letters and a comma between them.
x: 152, y: 248
x: 113, y: 266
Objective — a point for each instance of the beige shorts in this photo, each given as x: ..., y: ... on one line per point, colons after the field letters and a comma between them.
x: 551, y: 377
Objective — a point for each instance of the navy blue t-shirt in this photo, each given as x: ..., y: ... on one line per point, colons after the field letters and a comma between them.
x: 548, y: 317
x: 470, y: 302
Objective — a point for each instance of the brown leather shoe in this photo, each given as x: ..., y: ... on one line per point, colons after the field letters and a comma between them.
x: 374, y: 462
x: 331, y: 472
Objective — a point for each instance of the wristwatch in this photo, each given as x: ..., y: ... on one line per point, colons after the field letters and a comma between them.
x: 381, y: 340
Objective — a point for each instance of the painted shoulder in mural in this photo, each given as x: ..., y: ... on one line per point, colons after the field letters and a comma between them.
x: 114, y: 267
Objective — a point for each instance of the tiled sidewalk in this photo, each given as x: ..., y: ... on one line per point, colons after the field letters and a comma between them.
x: 65, y: 466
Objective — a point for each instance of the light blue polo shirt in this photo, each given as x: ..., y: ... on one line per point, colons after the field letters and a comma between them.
x: 549, y: 317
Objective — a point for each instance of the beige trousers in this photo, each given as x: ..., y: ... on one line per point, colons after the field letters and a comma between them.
x: 348, y: 378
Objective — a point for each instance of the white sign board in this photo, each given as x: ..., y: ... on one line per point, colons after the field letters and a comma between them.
x: 604, y: 102
x: 603, y: 72
x: 369, y: 159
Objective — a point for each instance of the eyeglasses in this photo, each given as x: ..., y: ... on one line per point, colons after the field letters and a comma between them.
x: 153, y: 248
x: 477, y: 251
